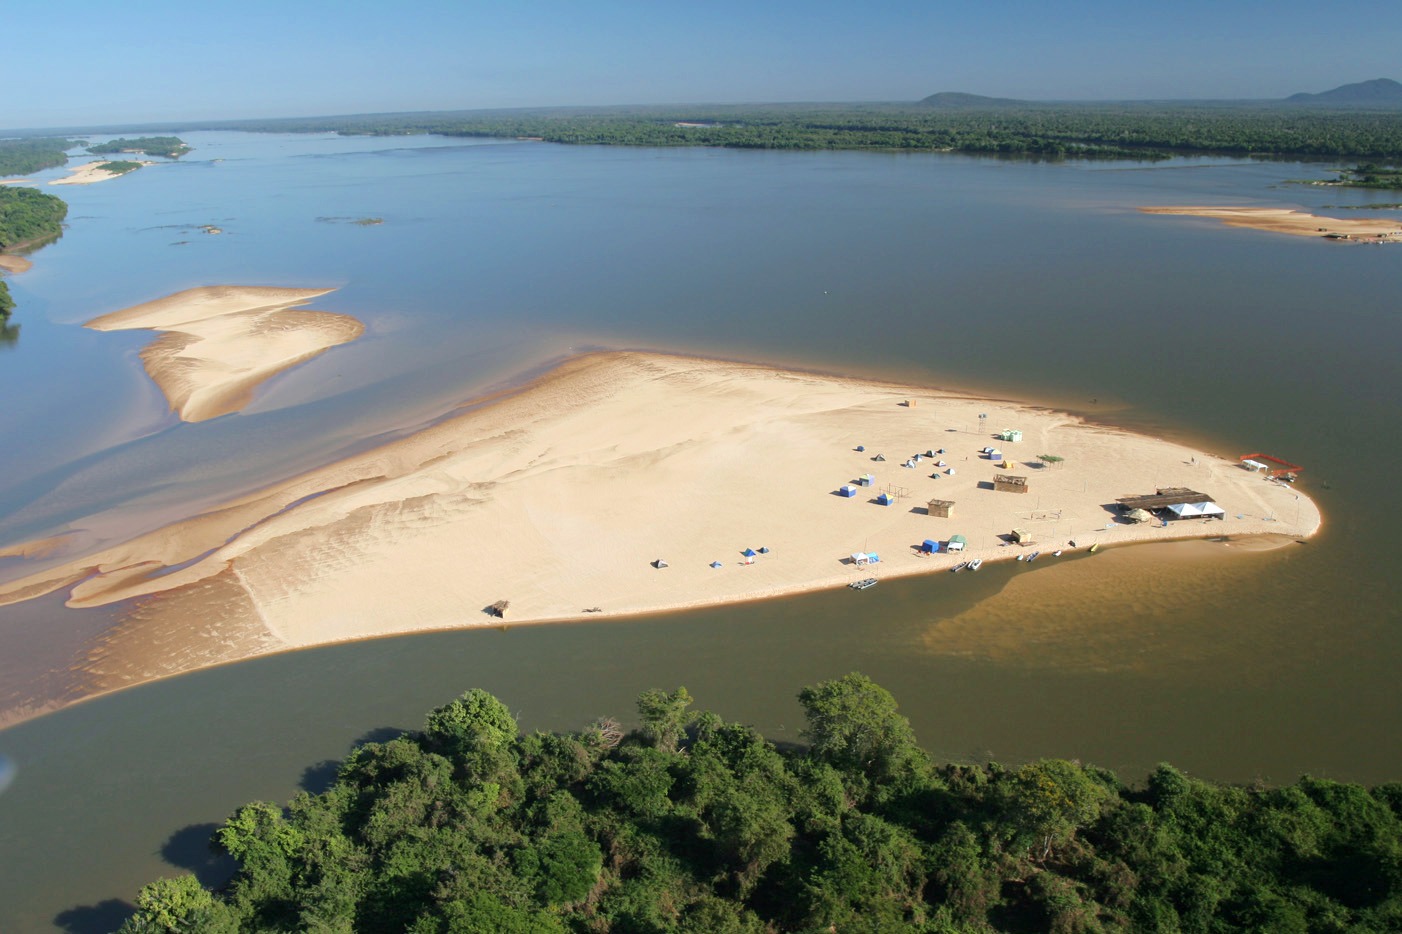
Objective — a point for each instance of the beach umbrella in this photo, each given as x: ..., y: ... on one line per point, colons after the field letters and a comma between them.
x: 749, y: 552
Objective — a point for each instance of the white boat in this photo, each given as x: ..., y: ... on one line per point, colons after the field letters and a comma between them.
x: 863, y: 584
x: 1057, y: 553
x: 1033, y: 557
x: 975, y: 564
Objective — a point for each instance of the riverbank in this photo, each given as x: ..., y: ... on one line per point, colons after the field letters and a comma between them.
x: 1296, y: 223
x: 222, y: 342
x: 560, y: 497
x: 13, y: 264
x: 90, y: 173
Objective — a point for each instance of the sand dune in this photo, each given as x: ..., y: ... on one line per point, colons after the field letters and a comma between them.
x: 222, y: 342
x: 558, y: 498
x: 1298, y: 223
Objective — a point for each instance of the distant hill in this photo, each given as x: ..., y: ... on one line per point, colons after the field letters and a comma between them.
x: 1382, y: 92
x: 957, y: 100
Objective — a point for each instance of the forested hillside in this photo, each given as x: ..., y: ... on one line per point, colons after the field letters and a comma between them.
x: 693, y: 824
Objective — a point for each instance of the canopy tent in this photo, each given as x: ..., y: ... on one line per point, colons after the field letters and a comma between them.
x: 1196, y: 510
x: 956, y: 543
x: 860, y: 557
x: 749, y: 552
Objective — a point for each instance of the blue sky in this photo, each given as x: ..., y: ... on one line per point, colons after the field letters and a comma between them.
x: 114, y: 61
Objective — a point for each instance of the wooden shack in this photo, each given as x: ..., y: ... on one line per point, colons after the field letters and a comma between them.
x: 1008, y: 483
x: 940, y: 508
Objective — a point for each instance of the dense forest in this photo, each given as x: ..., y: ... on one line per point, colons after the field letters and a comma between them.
x: 689, y: 823
x: 7, y: 303
x: 22, y: 156
x: 27, y: 215
x: 170, y: 146
x: 1370, y: 175
x: 1127, y: 131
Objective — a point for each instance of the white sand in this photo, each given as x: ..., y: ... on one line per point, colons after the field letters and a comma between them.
x: 558, y: 497
x: 222, y: 342
x: 89, y: 173
x: 14, y: 264
x: 1298, y: 223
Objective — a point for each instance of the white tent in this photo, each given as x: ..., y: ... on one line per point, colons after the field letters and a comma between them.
x: 1196, y: 510
x: 860, y: 557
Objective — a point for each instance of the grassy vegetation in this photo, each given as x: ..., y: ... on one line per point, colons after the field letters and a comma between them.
x: 692, y: 824
x: 1370, y: 175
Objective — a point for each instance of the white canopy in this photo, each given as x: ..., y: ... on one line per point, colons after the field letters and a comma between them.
x: 1189, y: 510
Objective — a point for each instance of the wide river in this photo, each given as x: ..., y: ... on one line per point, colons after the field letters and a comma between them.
x: 1021, y: 280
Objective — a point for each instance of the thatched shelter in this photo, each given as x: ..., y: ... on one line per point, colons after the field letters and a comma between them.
x: 1163, y: 498
x: 1140, y: 515
x: 940, y: 508
x: 1022, y: 536
x: 1008, y: 483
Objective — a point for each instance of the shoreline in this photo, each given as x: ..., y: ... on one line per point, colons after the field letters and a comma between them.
x: 1295, y: 223
x: 220, y: 343
x: 558, y: 496
x: 89, y: 174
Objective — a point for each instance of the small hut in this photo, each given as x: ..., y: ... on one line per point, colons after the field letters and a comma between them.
x: 940, y: 508
x: 500, y: 607
x: 995, y: 455
x: 848, y: 490
x: 886, y: 499
x: 1008, y: 483
x: 1022, y: 537
x: 957, y: 543
x: 866, y: 479
x: 1010, y: 434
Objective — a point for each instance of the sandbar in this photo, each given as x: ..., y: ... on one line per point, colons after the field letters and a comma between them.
x: 1297, y: 223
x: 14, y: 264
x: 222, y: 342
x: 89, y: 173
x: 560, y: 496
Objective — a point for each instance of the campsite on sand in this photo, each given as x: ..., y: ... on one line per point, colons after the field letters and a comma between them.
x: 624, y: 483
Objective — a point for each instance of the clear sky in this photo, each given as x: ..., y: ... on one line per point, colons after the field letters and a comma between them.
x: 119, y: 61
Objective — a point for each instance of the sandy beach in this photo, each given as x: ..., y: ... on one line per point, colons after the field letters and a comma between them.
x: 222, y: 342
x: 14, y: 264
x: 1297, y: 223
x: 89, y: 174
x: 559, y: 497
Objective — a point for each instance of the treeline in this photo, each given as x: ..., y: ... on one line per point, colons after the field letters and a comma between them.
x: 693, y: 824
x: 7, y: 302
x: 170, y: 146
x: 22, y: 156
x: 27, y: 214
x: 1048, y: 131
x: 1370, y: 175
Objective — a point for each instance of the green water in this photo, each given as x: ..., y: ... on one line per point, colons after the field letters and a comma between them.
x: 1023, y: 280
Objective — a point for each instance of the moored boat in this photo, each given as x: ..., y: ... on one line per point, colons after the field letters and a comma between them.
x: 960, y: 566
x: 975, y: 564
x: 863, y: 584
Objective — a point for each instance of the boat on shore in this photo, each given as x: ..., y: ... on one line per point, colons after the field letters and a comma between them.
x: 959, y: 567
x: 975, y: 564
x: 863, y: 584
x: 1057, y: 553
x: 1033, y: 557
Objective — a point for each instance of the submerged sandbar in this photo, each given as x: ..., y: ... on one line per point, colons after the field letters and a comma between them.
x: 560, y: 497
x: 1297, y: 223
x: 222, y: 342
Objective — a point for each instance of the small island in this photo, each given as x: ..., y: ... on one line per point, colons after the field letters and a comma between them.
x: 1369, y: 175
x: 171, y: 147
x: 90, y: 173
x: 1296, y: 223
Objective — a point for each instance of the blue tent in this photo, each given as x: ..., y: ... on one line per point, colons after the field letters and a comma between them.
x: 861, y: 447
x: 930, y: 546
x: 749, y: 552
x: 715, y: 564
x: 886, y: 499
x: 866, y: 479
x: 764, y: 551
x: 848, y: 489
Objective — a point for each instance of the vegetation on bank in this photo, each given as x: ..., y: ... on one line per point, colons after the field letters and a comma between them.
x: 7, y: 302
x: 119, y: 168
x: 693, y: 824
x: 22, y: 156
x: 171, y: 147
x: 1371, y: 175
x: 1116, y: 131
x: 28, y: 215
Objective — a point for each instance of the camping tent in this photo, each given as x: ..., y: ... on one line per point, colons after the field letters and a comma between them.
x: 848, y: 490
x: 930, y: 546
x: 886, y: 499
x: 1196, y: 510
x: 860, y: 557
x: 866, y: 479
x: 659, y: 563
x: 957, y: 543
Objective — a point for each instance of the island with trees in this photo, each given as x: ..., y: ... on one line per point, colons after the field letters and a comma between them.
x: 29, y: 217
x: 172, y: 147
x: 689, y: 823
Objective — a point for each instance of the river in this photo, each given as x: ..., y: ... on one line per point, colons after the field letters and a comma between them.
x: 1022, y: 280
